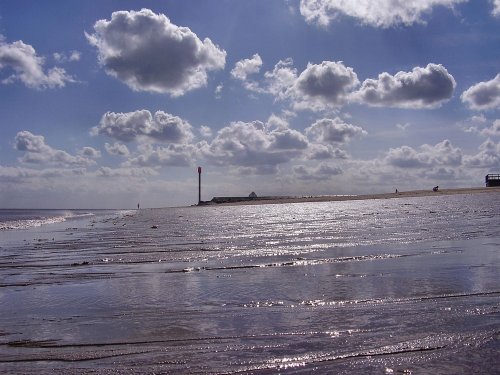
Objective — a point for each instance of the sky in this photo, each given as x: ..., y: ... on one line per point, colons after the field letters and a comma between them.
x: 104, y: 104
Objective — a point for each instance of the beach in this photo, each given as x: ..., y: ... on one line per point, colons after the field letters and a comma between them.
x: 408, y: 285
x: 347, y: 197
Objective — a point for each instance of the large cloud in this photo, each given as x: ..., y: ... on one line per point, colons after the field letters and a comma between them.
x: 130, y: 126
x: 26, y: 66
x: 330, y: 85
x: 172, y: 155
x: 496, y: 8
x: 323, y: 85
x: 425, y: 87
x: 484, y: 95
x: 487, y: 157
x: 441, y: 154
x: 321, y: 172
x: 318, y: 87
x: 335, y: 130
x: 255, y: 146
x: 149, y: 53
x: 36, y: 151
x: 378, y: 13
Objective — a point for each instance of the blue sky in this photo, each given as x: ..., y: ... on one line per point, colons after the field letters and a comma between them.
x: 110, y: 103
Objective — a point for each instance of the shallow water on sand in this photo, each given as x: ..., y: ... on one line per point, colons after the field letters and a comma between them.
x: 379, y: 286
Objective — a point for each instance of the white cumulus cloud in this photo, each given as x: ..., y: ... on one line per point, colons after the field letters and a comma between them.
x: 441, y: 154
x: 377, y: 13
x: 149, y: 53
x: 36, y: 151
x: 205, y: 131
x: 281, y: 78
x: 173, y: 155
x: 245, y: 67
x: 496, y: 8
x: 335, y: 130
x: 22, y: 63
x: 318, y: 151
x: 90, y: 152
x: 483, y: 95
x: 254, y: 146
x: 427, y: 87
x: 493, y: 130
x: 490, y: 130
x: 487, y: 157
x: 276, y: 82
x: 142, y: 124
x: 321, y: 172
x: 323, y: 85
x: 117, y: 149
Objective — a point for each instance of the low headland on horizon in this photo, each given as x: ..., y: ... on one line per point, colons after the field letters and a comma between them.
x: 232, y: 201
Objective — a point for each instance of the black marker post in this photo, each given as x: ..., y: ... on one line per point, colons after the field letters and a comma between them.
x: 199, y: 185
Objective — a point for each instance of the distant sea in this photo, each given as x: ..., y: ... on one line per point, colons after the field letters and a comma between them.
x: 384, y: 286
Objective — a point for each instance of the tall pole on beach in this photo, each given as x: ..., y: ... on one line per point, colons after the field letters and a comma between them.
x: 199, y: 185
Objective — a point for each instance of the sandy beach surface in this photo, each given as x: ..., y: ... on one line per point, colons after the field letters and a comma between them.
x: 399, y: 194
x: 380, y: 286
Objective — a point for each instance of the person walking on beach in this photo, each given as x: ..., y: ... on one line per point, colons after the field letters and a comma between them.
x: 137, y: 205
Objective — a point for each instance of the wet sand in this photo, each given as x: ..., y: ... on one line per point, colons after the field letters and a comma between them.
x: 334, y: 198
x: 384, y: 286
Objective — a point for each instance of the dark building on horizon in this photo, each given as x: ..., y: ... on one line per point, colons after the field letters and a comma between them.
x: 492, y: 180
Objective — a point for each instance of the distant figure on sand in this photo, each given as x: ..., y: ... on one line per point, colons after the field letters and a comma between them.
x: 435, y: 188
x: 137, y: 205
x: 396, y: 191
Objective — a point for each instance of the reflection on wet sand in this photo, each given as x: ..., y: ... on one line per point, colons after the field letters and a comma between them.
x: 366, y: 286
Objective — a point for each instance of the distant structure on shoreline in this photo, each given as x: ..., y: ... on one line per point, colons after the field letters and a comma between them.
x: 216, y: 200
x: 251, y: 197
x: 492, y: 180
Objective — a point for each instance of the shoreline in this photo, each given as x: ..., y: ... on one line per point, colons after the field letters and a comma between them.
x: 341, y: 198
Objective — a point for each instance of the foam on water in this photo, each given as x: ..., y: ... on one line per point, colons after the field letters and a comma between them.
x: 25, y: 219
x: 30, y: 223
